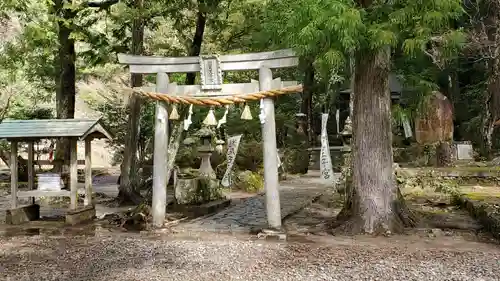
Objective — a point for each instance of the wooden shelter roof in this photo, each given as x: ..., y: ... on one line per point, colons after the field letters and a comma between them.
x: 52, y: 128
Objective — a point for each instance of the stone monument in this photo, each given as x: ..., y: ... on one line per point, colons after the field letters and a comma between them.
x: 434, y: 122
x: 434, y: 127
x: 202, y: 187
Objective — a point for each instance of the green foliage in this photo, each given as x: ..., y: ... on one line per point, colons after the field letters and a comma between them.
x: 250, y: 155
x: 399, y: 114
x: 296, y: 160
x: 23, y: 113
x: 249, y: 181
x: 328, y: 33
x: 187, y: 157
x: 331, y: 32
x: 345, y: 182
x: 114, y: 114
x: 428, y: 180
x: 207, y: 190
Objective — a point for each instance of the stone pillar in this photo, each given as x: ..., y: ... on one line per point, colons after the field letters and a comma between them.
x: 271, y: 181
x: 31, y: 168
x: 160, y: 156
x: 73, y: 174
x: 88, y: 172
x: 13, y: 174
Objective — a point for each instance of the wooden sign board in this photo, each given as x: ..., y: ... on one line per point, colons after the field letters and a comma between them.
x: 211, y: 73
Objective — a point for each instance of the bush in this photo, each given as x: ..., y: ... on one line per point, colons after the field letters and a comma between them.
x: 249, y: 181
x: 187, y: 157
x: 250, y: 156
x: 296, y: 160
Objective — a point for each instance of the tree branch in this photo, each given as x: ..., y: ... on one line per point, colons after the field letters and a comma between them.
x: 104, y: 4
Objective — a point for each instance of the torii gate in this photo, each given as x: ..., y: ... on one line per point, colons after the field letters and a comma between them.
x: 212, y: 92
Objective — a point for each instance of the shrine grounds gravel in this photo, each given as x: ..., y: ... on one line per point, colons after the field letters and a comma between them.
x: 216, y: 257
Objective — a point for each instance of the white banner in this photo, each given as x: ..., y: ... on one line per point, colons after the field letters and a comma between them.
x: 407, y: 127
x: 325, y: 159
x: 188, y: 120
x: 337, y: 119
x: 232, y: 149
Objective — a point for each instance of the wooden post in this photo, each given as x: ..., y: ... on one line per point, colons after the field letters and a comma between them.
x: 160, y: 160
x: 13, y: 174
x: 271, y: 181
x: 73, y: 174
x: 31, y: 168
x: 88, y: 172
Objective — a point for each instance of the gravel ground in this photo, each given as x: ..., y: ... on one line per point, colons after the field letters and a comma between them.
x: 139, y: 258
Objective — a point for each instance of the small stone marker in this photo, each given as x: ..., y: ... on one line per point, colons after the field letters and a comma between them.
x: 464, y: 151
x: 268, y: 234
x: 49, y: 182
x: 407, y: 127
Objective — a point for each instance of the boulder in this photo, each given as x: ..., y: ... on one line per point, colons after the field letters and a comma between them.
x: 434, y: 123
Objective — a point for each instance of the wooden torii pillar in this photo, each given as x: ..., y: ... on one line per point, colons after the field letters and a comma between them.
x: 211, y: 68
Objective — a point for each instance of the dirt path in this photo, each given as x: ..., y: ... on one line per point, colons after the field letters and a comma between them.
x: 223, y: 257
x: 198, y: 251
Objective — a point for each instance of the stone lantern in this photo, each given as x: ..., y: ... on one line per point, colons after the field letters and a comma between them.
x: 347, y: 131
x: 205, y: 150
x: 219, y: 146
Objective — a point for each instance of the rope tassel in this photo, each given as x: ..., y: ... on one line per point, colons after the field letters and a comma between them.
x: 174, y: 115
x: 210, y: 119
x: 223, y: 120
x: 246, y: 114
x: 187, y: 121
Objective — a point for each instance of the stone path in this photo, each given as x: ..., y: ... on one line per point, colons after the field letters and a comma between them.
x: 247, y: 214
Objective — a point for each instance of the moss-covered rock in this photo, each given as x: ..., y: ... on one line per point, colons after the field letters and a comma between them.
x: 486, y: 213
x: 461, y: 175
x: 430, y: 180
x: 416, y: 155
x: 195, y: 191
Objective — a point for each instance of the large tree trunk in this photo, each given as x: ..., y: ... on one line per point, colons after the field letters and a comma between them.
x: 128, y: 189
x: 306, y: 106
x: 491, y: 107
x: 66, y: 88
x: 22, y: 164
x: 490, y: 26
x: 177, y: 127
x: 195, y: 48
x: 374, y: 204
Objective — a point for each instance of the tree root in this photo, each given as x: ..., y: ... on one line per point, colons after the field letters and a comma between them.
x: 125, y: 199
x: 349, y: 222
